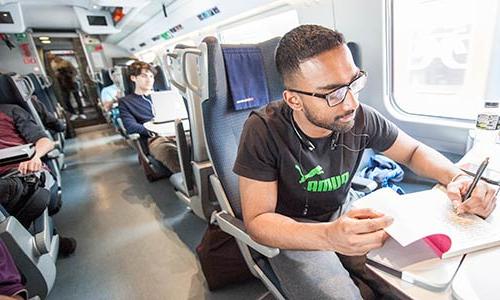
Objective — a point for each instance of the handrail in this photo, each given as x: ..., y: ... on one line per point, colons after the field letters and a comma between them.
x: 192, y: 87
x: 29, y: 85
x: 41, y: 80
x: 92, y: 75
x: 49, y: 80
x: 168, y: 67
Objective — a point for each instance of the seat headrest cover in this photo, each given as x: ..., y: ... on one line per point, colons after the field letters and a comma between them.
x: 246, y: 77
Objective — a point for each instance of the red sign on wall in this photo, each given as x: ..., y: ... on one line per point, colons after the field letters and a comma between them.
x: 28, y: 59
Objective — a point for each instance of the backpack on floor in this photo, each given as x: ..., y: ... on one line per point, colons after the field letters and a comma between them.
x: 220, y: 258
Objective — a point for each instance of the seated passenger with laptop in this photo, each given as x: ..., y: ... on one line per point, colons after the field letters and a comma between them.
x: 296, y: 160
x: 137, y: 109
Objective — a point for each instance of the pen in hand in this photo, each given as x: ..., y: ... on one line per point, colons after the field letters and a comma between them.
x: 474, y: 182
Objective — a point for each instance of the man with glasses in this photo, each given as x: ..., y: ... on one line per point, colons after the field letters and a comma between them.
x: 296, y: 160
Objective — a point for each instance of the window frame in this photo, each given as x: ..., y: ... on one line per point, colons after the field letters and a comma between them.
x: 390, y: 101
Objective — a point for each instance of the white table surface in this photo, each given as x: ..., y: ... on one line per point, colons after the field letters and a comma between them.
x: 165, y: 129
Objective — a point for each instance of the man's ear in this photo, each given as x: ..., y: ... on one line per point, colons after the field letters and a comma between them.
x: 132, y: 77
x: 292, y: 100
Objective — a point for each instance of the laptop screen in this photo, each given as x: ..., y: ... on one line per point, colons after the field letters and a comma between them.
x: 168, y: 106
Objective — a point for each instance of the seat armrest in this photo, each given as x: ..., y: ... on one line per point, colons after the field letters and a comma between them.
x: 44, y: 237
x: 136, y: 140
x: 134, y: 136
x: 53, y: 154
x: 184, y: 154
x: 364, y: 185
x: 16, y: 154
x: 236, y: 228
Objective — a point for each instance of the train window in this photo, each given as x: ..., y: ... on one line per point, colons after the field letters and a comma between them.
x: 442, y: 52
x: 258, y: 30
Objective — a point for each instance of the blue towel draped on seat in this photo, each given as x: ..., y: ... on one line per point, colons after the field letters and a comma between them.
x: 384, y: 171
x: 246, y: 77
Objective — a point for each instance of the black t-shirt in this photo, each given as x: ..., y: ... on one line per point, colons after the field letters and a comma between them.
x: 311, y: 184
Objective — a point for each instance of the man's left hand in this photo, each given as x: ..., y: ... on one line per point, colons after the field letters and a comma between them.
x: 30, y: 166
x: 482, y: 200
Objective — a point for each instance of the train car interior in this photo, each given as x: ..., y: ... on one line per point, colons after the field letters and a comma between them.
x: 259, y: 149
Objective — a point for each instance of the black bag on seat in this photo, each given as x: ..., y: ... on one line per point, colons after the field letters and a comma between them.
x: 220, y: 258
x: 24, y: 197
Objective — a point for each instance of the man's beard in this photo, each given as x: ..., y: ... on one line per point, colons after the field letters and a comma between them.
x: 332, y: 123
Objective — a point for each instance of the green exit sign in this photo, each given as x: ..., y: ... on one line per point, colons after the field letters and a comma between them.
x: 167, y: 35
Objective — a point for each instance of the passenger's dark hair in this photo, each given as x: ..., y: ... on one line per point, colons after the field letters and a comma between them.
x: 136, y: 68
x: 301, y: 43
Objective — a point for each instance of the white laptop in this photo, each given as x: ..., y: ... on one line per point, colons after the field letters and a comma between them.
x: 168, y: 106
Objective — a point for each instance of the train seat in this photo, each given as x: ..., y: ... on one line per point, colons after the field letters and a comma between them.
x: 15, y: 90
x: 223, y: 126
x: 192, y: 183
x: 51, y: 108
x: 34, y: 251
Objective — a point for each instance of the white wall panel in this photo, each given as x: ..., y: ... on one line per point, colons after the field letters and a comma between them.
x: 184, y: 12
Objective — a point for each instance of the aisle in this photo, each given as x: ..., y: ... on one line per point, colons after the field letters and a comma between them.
x: 125, y: 248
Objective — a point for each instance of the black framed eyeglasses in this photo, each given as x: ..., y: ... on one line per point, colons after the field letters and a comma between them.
x: 339, y: 94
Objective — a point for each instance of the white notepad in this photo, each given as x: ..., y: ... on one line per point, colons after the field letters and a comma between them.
x: 429, y: 216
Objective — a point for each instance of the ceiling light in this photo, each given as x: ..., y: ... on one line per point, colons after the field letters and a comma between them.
x: 95, y: 6
x: 46, y: 42
x: 44, y: 38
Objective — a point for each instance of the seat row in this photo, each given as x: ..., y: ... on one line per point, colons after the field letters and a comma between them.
x: 34, y: 247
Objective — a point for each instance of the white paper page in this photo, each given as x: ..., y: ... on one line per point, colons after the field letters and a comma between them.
x: 406, y: 214
x: 422, y: 214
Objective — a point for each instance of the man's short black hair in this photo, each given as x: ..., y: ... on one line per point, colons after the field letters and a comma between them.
x: 301, y: 43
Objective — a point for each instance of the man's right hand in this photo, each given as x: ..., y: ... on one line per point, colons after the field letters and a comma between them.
x: 30, y: 166
x: 358, y: 231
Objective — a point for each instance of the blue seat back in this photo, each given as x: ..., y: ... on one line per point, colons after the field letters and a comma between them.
x: 356, y: 53
x: 9, y: 93
x: 128, y: 84
x: 41, y: 93
x: 223, y: 125
x: 161, y: 82
x: 106, y: 79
